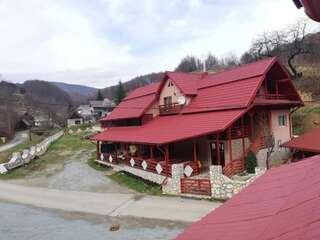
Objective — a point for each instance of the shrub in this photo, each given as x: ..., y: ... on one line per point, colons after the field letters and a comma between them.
x: 251, y: 162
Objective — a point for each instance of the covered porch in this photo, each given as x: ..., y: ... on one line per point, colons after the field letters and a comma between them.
x: 152, y: 158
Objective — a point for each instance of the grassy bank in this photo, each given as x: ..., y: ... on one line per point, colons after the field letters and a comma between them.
x: 136, y: 183
x: 306, y: 118
x: 57, y: 153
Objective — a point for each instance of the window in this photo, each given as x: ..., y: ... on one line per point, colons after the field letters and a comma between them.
x: 77, y: 122
x: 282, y: 120
x: 167, y: 101
x: 170, y: 84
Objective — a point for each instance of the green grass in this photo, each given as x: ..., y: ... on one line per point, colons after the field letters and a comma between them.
x: 302, y: 119
x: 71, y: 143
x: 136, y: 183
x: 96, y: 166
x: 82, y: 127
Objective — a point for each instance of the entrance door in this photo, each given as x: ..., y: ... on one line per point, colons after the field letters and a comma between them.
x: 216, y: 149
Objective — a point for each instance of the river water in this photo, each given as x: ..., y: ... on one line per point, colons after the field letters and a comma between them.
x: 18, y: 222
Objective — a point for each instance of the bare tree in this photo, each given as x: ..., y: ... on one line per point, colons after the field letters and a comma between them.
x: 270, y: 144
x: 189, y: 64
x: 287, y: 43
x: 212, y: 62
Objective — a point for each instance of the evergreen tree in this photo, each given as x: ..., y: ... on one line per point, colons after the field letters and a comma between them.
x: 99, y: 96
x: 120, y: 93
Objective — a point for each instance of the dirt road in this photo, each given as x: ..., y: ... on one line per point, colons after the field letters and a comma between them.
x: 109, y: 204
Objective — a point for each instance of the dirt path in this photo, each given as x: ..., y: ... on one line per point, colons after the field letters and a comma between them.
x: 109, y: 204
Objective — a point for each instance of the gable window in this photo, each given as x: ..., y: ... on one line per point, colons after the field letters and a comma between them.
x: 170, y: 84
x: 167, y: 101
x: 282, y: 119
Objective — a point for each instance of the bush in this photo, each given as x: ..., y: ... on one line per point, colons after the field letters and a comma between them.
x: 251, y: 162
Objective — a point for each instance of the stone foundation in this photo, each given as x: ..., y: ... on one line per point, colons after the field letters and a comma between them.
x: 223, y: 187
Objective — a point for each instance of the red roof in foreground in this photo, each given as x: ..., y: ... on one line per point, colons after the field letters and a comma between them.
x: 309, y: 141
x: 167, y: 129
x: 283, y: 204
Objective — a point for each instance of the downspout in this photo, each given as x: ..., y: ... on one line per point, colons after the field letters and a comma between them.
x: 290, y: 119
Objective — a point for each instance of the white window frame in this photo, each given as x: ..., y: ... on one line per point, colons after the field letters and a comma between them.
x: 282, y: 120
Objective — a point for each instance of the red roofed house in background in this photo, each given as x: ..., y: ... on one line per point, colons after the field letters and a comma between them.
x: 283, y: 204
x: 305, y: 145
x: 200, y: 120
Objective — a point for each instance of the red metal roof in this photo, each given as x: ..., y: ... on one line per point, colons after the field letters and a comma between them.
x: 186, y: 82
x: 131, y: 108
x: 235, y: 74
x: 167, y: 129
x: 309, y: 141
x: 142, y: 91
x: 283, y: 204
x: 231, y: 95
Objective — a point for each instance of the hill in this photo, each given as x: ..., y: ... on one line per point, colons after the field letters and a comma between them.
x: 77, y: 93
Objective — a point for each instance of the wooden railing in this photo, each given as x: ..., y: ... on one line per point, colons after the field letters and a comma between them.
x: 168, y: 109
x: 196, y: 186
x: 194, y: 166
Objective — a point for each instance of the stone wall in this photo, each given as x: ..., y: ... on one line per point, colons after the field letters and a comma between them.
x: 18, y: 159
x: 223, y: 187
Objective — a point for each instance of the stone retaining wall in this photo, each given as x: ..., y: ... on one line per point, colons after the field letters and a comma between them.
x: 224, y: 188
x: 18, y: 159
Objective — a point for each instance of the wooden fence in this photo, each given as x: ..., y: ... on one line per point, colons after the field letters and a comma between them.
x: 196, y: 186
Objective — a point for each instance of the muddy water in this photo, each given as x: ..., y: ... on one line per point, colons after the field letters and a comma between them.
x: 25, y: 223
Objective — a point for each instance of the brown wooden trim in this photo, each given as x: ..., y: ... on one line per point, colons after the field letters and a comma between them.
x: 98, y: 149
x: 230, y: 144
x: 218, y: 148
x: 195, y: 152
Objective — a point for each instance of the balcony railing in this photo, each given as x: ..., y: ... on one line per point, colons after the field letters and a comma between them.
x: 168, y: 109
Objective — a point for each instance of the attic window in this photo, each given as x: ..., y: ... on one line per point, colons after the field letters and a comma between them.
x: 170, y: 84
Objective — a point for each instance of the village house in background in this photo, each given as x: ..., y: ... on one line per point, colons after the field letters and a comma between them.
x: 86, y: 112
x: 201, y: 120
x: 101, y: 108
x: 42, y: 120
x: 75, y: 119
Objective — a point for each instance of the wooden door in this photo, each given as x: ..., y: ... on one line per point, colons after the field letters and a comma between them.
x: 217, y: 153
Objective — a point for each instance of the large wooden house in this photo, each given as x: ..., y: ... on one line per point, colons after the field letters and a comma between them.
x: 201, y: 119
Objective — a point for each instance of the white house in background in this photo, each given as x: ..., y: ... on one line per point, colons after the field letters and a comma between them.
x: 86, y: 112
x: 101, y: 108
x: 75, y: 119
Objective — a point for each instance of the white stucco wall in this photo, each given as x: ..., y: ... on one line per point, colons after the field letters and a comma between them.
x: 280, y: 133
x: 172, y: 91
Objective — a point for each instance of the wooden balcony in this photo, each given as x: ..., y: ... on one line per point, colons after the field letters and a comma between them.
x: 169, y: 109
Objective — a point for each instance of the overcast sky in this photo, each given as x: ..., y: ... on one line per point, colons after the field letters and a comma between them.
x: 98, y: 42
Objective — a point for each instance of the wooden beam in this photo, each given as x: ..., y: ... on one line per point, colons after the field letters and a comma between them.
x: 218, y: 148
x: 195, y: 152
x: 243, y: 143
x: 251, y: 123
x: 98, y: 149
x: 230, y: 144
x: 151, y: 151
x: 167, y: 159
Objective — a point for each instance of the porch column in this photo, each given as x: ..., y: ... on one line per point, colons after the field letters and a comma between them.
x: 230, y: 144
x: 127, y: 151
x: 151, y: 151
x: 116, y: 149
x: 243, y: 142
x: 98, y: 149
x: 251, y: 114
x: 167, y: 159
x: 195, y: 152
x: 218, y: 148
